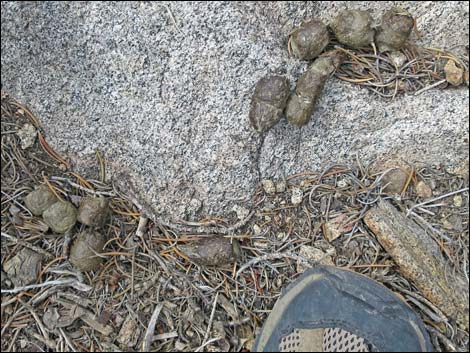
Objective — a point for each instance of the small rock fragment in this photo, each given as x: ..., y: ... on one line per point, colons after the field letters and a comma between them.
x: 261, y: 244
x: 454, y: 74
x: 314, y: 255
x: 93, y: 211
x: 458, y: 200
x: 337, y: 226
x: 27, y: 135
x: 423, y: 190
x: 398, y: 58
x: 213, y: 251
x: 130, y: 332
x: 257, y: 229
x: 453, y: 222
x: 23, y: 268
x: 309, y: 40
x: 394, y: 30
x: 16, y: 215
x: 39, y: 200
x: 309, y: 87
x: 297, y: 196
x: 353, y: 28
x: 85, y: 249
x: 61, y: 216
x: 268, y: 102
x: 269, y: 187
x: 242, y: 212
x: 281, y: 186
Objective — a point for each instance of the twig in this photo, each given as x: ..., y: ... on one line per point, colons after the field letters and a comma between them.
x: 151, y: 328
x: 427, y: 88
x: 165, y: 336
x: 209, y: 326
x: 272, y: 256
x: 75, y: 185
x: 143, y: 220
x: 435, y: 199
x: 63, y: 282
x: 208, y: 343
x: 28, y: 245
x: 36, y: 317
x: 67, y: 340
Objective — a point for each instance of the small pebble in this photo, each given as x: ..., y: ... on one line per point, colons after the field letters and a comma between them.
x: 297, y: 196
x: 27, y: 135
x: 313, y: 254
x: 213, y: 251
x: 241, y: 212
x: 454, y: 74
x: 458, y: 200
x: 423, y: 190
x: 269, y: 187
x: 398, y: 58
x: 394, y: 181
x: 281, y: 186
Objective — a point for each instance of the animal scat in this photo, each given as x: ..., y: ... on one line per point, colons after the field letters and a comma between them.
x: 268, y: 102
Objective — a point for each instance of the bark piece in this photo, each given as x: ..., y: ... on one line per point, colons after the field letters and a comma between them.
x: 129, y: 333
x: 420, y: 260
x: 24, y: 267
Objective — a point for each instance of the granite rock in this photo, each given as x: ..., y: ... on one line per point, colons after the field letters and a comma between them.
x: 164, y: 91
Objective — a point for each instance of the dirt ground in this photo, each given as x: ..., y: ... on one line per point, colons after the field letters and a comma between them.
x: 148, y: 295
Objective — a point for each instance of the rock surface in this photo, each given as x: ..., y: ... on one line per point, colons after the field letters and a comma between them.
x: 164, y: 90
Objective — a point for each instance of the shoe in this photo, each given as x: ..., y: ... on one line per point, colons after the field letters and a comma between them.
x: 333, y: 310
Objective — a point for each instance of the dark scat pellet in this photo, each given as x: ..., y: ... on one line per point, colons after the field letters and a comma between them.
x: 268, y: 102
x: 353, y: 28
x: 309, y: 40
x: 213, y: 251
x: 84, y: 250
x: 394, y: 30
x: 309, y: 87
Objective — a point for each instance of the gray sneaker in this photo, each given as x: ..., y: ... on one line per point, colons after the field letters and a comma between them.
x: 332, y: 310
